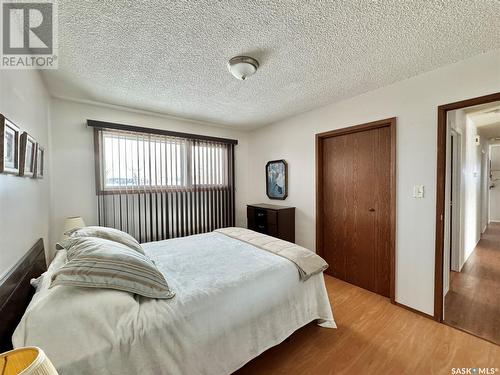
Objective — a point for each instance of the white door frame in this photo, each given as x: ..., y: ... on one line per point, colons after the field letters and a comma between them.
x: 456, y: 217
x: 453, y: 221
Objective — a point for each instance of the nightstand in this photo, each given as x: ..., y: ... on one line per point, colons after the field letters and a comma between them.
x: 273, y: 220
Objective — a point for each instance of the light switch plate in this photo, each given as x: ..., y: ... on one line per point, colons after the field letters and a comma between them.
x: 418, y: 191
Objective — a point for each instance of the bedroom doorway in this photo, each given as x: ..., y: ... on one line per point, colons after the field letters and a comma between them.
x: 467, y: 239
x: 355, y: 204
x: 471, y: 272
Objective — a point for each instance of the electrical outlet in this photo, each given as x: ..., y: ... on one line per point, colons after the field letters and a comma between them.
x: 418, y: 191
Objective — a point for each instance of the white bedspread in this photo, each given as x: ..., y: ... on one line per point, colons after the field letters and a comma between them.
x: 233, y: 301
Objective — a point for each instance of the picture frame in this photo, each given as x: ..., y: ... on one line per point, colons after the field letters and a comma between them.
x: 9, y: 146
x: 277, y: 179
x: 39, y: 162
x: 27, y: 155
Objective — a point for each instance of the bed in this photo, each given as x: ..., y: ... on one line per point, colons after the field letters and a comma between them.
x: 233, y: 301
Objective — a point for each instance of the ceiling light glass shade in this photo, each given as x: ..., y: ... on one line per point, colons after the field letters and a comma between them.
x: 242, y: 67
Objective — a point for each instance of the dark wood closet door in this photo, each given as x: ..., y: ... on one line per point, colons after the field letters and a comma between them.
x: 356, y: 231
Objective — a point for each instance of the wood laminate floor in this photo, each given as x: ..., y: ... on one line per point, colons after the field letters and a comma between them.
x: 374, y: 337
x: 473, y: 301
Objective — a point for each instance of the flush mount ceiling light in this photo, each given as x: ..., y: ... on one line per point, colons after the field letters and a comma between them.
x: 242, y: 67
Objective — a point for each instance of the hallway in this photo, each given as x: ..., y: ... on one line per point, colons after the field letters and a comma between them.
x: 473, y: 302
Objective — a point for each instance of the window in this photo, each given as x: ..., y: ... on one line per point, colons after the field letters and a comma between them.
x: 135, y: 161
x: 209, y: 164
x: 138, y: 161
x: 156, y: 184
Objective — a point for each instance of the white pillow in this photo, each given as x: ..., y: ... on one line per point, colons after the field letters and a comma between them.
x: 106, y: 233
x: 100, y: 263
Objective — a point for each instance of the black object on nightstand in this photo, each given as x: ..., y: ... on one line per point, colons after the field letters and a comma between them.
x: 276, y: 221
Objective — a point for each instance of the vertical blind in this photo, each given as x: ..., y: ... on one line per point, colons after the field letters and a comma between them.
x: 160, y: 185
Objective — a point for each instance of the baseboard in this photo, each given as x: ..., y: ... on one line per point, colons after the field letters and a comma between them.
x: 468, y: 332
x: 462, y: 266
x: 472, y: 252
x: 413, y: 310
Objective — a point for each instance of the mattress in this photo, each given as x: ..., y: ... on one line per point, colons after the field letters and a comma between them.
x: 233, y: 301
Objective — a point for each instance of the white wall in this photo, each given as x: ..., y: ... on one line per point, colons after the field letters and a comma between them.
x: 471, y: 183
x: 495, y: 192
x: 24, y: 202
x: 73, y: 192
x: 485, y: 183
x: 414, y: 102
x: 472, y: 173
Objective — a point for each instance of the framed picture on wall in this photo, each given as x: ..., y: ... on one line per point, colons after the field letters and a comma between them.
x: 9, y: 146
x: 27, y: 158
x: 277, y: 179
x: 39, y: 162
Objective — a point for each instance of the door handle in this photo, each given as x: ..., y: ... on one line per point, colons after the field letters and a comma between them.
x: 371, y: 209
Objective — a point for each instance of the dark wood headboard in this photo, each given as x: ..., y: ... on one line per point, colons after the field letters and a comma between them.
x: 16, y: 291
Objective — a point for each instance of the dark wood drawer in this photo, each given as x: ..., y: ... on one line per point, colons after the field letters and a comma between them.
x: 272, y: 230
x: 276, y: 221
x: 260, y: 214
x: 262, y: 228
x: 272, y: 217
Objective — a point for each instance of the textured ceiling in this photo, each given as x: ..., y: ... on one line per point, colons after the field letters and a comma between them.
x: 170, y: 56
x: 490, y: 131
x: 487, y: 119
